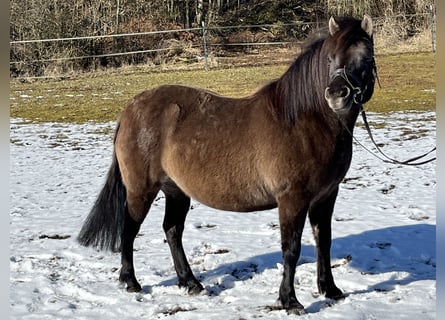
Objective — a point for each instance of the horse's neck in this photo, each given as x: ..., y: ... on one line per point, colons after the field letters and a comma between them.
x: 347, y: 119
x: 330, y: 126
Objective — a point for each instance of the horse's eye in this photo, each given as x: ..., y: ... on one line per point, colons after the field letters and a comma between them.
x: 330, y: 59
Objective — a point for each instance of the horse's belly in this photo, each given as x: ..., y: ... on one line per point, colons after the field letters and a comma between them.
x: 223, y: 191
x: 231, y: 197
x: 241, y: 202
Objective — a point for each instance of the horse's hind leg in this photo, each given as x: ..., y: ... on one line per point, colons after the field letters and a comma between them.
x: 137, y: 209
x: 177, y: 205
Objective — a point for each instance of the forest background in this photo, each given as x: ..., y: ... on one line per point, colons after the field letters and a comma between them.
x: 229, y: 23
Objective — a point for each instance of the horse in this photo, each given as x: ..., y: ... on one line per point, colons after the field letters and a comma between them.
x: 287, y: 145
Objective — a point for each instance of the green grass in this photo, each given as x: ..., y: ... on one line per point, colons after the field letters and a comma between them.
x: 408, y: 82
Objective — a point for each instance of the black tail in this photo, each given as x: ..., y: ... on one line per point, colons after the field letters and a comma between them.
x: 104, y: 225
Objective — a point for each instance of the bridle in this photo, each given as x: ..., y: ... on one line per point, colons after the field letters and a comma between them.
x: 357, y: 92
x: 358, y: 100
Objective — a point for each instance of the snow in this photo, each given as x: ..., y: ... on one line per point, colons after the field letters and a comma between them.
x: 383, y: 251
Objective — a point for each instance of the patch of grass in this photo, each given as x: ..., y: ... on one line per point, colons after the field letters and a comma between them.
x: 102, y: 97
x: 408, y: 82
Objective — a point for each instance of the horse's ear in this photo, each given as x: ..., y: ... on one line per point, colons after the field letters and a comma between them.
x: 333, y: 26
x: 367, y: 24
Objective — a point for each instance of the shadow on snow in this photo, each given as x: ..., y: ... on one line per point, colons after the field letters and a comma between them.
x: 409, y: 249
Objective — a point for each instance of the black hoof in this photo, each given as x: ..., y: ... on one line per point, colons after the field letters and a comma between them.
x: 293, y: 307
x: 297, y: 311
x: 335, y: 294
x: 296, y: 308
x: 134, y: 288
x: 193, y: 287
x: 131, y: 282
x: 195, y: 290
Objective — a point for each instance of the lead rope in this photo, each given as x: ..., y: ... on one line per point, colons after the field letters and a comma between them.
x: 409, y: 162
x: 387, y: 159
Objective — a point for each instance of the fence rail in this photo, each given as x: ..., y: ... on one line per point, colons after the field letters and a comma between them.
x: 123, y: 35
x: 104, y: 36
x: 202, y: 46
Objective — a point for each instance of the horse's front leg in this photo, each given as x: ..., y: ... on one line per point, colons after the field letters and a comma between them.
x: 320, y: 216
x: 292, y: 213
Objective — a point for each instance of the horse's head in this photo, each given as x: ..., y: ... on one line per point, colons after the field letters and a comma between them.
x: 352, y: 71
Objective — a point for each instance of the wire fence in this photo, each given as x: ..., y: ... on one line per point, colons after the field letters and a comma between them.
x: 54, y: 57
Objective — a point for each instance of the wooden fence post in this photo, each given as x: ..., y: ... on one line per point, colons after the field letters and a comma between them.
x: 433, y: 29
x: 204, y: 45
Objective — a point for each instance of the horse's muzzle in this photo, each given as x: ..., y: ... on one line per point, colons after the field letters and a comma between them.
x: 338, y: 97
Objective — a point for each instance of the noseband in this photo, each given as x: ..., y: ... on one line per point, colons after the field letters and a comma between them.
x: 357, y: 92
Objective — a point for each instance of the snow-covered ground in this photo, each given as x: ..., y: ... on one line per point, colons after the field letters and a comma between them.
x: 383, y: 250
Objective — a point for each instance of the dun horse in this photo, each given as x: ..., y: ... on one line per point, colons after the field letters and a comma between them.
x: 287, y: 145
